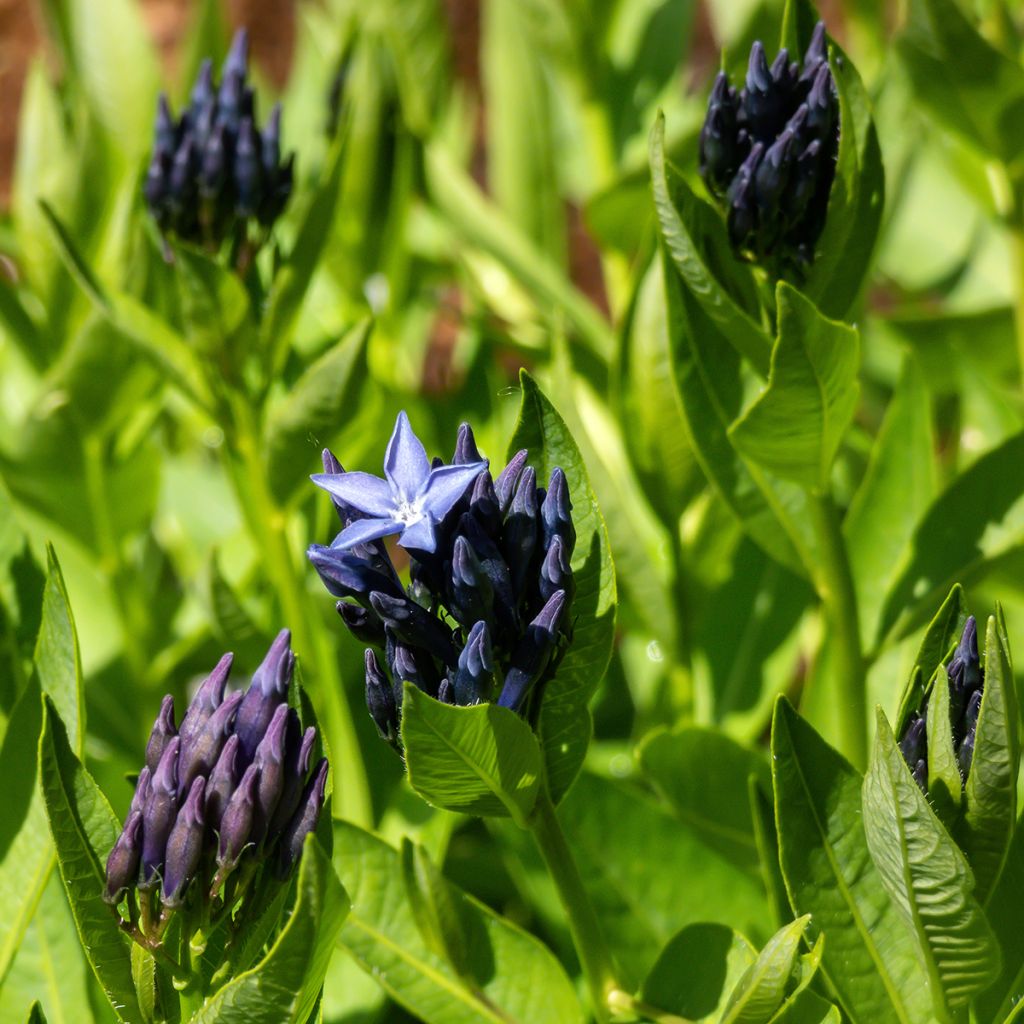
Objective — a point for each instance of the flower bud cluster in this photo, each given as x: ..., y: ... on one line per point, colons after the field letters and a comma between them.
x: 487, y: 612
x: 768, y: 153
x: 966, y: 684
x: 231, y: 786
x: 213, y: 170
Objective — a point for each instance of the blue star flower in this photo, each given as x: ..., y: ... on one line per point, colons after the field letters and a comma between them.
x: 411, y: 501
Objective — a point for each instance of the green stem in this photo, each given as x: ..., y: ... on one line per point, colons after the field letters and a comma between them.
x: 595, y: 956
x: 836, y: 590
x: 268, y: 524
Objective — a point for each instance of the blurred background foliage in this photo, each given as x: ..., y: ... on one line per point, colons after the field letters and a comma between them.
x: 472, y: 177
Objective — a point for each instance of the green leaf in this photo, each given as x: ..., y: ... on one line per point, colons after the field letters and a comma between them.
x: 762, y: 988
x: 117, y: 66
x: 714, y: 804
x: 965, y: 83
x: 36, y: 1015
x: 314, y: 406
x: 564, y: 725
x: 807, y: 1008
x: 928, y: 879
x: 697, y: 971
x: 382, y: 935
x: 481, y: 760
x: 709, y: 378
x: 899, y: 483
x: 214, y: 302
x: 944, y: 784
x: 649, y: 874
x: 991, y: 790
x: 869, y: 956
x: 855, y: 205
x: 84, y: 829
x: 284, y: 987
x: 796, y: 425
x: 695, y: 238
x: 960, y: 538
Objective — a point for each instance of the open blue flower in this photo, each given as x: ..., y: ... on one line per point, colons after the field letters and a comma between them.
x: 412, y: 499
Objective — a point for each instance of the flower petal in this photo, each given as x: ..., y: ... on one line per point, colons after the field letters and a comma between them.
x: 446, y: 485
x: 365, y: 530
x: 419, y: 536
x: 363, y: 491
x: 405, y: 463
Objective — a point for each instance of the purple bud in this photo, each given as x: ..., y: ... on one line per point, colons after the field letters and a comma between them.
x: 184, y: 846
x: 759, y: 77
x: 475, y: 675
x: 237, y: 60
x: 213, y: 171
x: 483, y: 503
x: 508, y: 478
x: 162, y: 733
x: 556, y: 513
x: 304, y: 820
x: 222, y: 782
x: 363, y: 623
x: 159, y: 813
x: 141, y: 792
x: 199, y: 756
x: 207, y: 699
x: 123, y: 861
x: 415, y: 626
x: 166, y: 130
x: 269, y: 689
x: 472, y: 594
x: 298, y: 754
x: 532, y: 654
x: 380, y: 699
x: 556, y: 572
x: 347, y: 574
x: 269, y: 759
x: 817, y: 52
x: 519, y: 538
x: 271, y: 154
x: 236, y: 823
x: 248, y: 172
x: 465, y: 447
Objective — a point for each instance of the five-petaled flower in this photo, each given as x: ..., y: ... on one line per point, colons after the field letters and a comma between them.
x: 411, y: 501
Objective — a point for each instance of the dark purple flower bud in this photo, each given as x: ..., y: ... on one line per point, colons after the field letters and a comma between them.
x: 474, y: 678
x: 123, y: 861
x: 556, y: 572
x: 821, y: 105
x: 269, y: 759
x: 412, y: 625
x: 347, y: 574
x: 771, y: 179
x: 298, y: 755
x: 304, y: 821
x: 165, y: 131
x: 519, y: 539
x: 236, y: 822
x: 914, y: 743
x: 967, y: 650
x: 248, y: 171
x: 213, y: 172
x: 278, y: 191
x: 184, y: 846
x: 495, y: 569
x: 508, y: 478
x: 742, y: 220
x: 237, y: 61
x: 534, y: 651
x: 446, y: 692
x: 556, y: 513
x: 483, y: 503
x: 222, y: 782
x: 208, y: 698
x: 472, y: 594
x: 803, y: 182
x: 159, y: 813
x: 920, y: 773
x: 141, y: 792
x: 157, y: 186
x: 380, y: 700
x: 720, y: 152
x: 363, y: 623
x: 466, y: 450
x: 965, y: 754
x: 411, y: 666
x: 162, y: 733
x: 203, y: 95
x: 183, y: 169
x: 817, y: 53
x: 199, y: 756
x: 269, y: 689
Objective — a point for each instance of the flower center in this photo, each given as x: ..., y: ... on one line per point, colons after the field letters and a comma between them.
x: 409, y: 512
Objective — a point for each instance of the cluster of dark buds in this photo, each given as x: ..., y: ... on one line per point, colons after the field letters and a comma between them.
x: 966, y: 683
x: 486, y: 614
x: 768, y: 154
x: 223, y: 804
x: 213, y: 171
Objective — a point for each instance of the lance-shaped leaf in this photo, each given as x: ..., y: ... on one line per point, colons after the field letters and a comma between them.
x: 482, y: 759
x: 1005, y: 911
x: 928, y: 879
x: 944, y: 785
x: 869, y: 955
x: 991, y: 791
x: 564, y: 724
x: 84, y: 829
x: 796, y: 425
x: 284, y: 987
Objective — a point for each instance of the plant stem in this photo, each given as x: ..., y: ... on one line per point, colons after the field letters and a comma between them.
x: 268, y: 524
x: 595, y: 956
x: 835, y: 588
